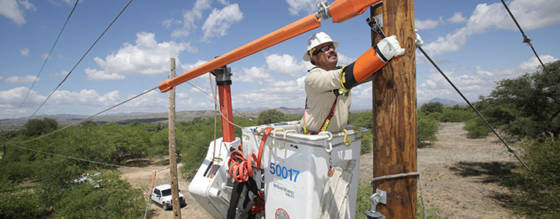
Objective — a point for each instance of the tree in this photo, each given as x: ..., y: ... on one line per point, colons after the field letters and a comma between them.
x: 35, y: 127
x: 431, y: 107
x: 528, y: 105
x: 270, y: 116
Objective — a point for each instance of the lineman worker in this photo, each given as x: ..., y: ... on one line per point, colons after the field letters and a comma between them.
x: 328, y: 86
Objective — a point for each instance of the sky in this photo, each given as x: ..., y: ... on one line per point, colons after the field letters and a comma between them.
x: 474, y: 42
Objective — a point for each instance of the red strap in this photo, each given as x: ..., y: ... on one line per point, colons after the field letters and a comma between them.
x: 331, y: 113
x: 261, y: 147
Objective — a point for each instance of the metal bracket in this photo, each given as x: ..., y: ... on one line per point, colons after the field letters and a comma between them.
x: 376, y: 24
x: 223, y: 75
x: 323, y: 10
x: 379, y: 196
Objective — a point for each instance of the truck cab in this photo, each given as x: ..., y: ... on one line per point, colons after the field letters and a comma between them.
x: 162, y: 196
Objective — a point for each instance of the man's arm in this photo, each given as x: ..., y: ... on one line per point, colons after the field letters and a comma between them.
x: 370, y: 62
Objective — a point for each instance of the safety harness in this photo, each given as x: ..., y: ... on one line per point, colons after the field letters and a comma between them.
x: 325, y: 125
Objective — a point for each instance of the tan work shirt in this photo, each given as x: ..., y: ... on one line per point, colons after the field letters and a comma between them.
x: 319, y: 86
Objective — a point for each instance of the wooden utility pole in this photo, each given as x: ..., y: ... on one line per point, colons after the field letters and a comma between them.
x: 172, y: 160
x: 394, y: 111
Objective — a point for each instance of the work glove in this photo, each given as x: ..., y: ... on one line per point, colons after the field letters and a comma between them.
x: 419, y: 41
x: 389, y: 47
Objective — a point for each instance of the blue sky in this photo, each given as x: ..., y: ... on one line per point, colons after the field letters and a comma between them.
x: 475, y: 42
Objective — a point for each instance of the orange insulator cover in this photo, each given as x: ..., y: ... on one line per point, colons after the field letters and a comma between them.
x: 291, y: 30
x: 367, y: 64
x: 342, y: 10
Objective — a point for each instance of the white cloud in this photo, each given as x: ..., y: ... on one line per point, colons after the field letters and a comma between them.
x: 276, y: 93
x: 146, y: 57
x: 169, y: 22
x: 219, y: 21
x: 66, y: 2
x: 533, y: 63
x: 531, y: 14
x: 428, y: 23
x: 305, y: 6
x: 96, y: 75
x: 285, y: 64
x: 187, y: 67
x: 24, y: 52
x: 12, y: 10
x: 25, y: 79
x: 457, y: 18
x: 1, y: 78
x: 253, y: 74
x: 473, y: 82
x: 191, y: 17
x: 11, y: 99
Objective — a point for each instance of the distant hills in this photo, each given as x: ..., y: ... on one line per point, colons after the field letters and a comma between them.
x: 124, y: 118
x: 445, y: 102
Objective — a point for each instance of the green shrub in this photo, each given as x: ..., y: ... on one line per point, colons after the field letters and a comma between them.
x: 433, y: 107
x: 367, y: 142
x: 361, y: 119
x: 114, y: 199
x: 426, y: 129
x: 476, y: 129
x: 20, y: 203
x: 270, y: 116
x: 456, y: 114
x: 35, y: 127
x: 540, y: 190
x: 363, y: 202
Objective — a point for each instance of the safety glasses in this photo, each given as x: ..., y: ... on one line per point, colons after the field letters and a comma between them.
x: 323, y: 49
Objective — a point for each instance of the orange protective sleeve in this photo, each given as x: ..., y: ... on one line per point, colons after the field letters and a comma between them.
x: 367, y: 64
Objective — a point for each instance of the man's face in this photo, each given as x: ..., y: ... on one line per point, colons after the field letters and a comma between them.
x: 325, y: 56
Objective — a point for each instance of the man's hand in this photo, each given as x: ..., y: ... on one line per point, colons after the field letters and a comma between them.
x: 389, y: 47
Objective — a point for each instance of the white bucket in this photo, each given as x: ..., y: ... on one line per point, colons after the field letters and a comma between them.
x: 296, y: 166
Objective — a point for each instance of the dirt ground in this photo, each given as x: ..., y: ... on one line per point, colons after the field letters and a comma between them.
x: 458, y: 177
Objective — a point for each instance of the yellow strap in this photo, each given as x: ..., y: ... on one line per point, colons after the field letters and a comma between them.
x: 326, y: 125
x: 343, y: 78
x: 346, y: 137
x: 303, y: 123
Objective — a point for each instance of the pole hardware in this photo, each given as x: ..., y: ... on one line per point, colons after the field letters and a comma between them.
x: 376, y: 24
x: 323, y: 10
x: 223, y: 75
x: 379, y: 196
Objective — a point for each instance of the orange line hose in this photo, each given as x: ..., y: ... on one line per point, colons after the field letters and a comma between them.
x: 289, y: 31
x: 342, y: 10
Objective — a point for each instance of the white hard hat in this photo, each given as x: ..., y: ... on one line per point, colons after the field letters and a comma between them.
x: 315, y: 40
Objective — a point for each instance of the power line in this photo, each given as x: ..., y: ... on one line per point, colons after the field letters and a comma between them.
x: 83, y: 56
x: 49, y: 54
x: 511, y: 150
x: 20, y: 144
x: 90, y: 117
x: 525, y: 38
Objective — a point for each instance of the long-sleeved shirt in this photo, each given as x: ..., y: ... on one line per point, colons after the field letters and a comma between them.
x: 319, y: 86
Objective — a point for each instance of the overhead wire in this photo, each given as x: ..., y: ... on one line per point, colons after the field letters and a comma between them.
x: 525, y: 38
x: 509, y: 148
x: 90, y: 117
x: 49, y: 54
x: 82, y: 57
x: 20, y: 144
